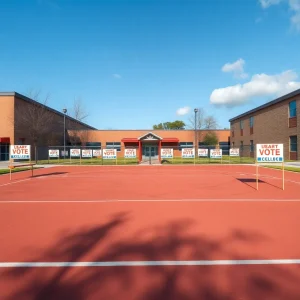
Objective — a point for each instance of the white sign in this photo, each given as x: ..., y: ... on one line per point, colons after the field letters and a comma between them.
x: 203, y: 152
x: 216, y: 153
x: 130, y: 153
x: 188, y: 153
x: 234, y: 152
x: 75, y: 152
x: 96, y: 153
x: 86, y: 153
x: 269, y: 152
x: 20, y: 152
x: 166, y: 153
x: 53, y: 153
x: 109, y: 154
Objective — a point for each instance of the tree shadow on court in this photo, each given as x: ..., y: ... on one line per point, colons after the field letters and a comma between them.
x: 170, y: 241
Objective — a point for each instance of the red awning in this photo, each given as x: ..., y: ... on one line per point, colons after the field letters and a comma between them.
x: 170, y: 140
x: 130, y: 140
x: 5, y: 140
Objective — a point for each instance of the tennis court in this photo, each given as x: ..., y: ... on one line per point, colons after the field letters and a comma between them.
x: 150, y: 232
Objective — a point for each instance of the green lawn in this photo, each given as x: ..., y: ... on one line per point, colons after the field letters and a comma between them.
x: 127, y: 161
x: 286, y: 168
x: 225, y: 160
x: 6, y: 171
x: 90, y: 161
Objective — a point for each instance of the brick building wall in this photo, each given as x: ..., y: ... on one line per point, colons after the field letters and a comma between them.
x: 116, y: 136
x: 20, y: 116
x: 271, y: 124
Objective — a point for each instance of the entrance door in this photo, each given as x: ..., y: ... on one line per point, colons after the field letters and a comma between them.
x: 150, y: 152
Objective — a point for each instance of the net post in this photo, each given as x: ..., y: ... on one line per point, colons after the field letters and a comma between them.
x: 256, y: 176
x: 283, y: 175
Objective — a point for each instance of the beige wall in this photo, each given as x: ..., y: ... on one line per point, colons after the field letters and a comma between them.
x: 271, y: 125
x: 7, y: 117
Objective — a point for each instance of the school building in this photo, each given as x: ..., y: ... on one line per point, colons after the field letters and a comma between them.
x: 148, y: 143
x: 24, y: 121
x: 273, y: 122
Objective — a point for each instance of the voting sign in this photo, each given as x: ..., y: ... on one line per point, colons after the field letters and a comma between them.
x: 234, y: 152
x: 97, y: 153
x: 53, y: 153
x: 269, y: 152
x: 109, y: 154
x: 130, y: 153
x: 188, y: 153
x: 166, y: 153
x: 202, y: 152
x: 75, y: 152
x: 19, y: 151
x: 87, y: 153
x: 216, y: 153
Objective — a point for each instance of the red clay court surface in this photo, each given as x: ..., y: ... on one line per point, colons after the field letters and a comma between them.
x: 150, y: 232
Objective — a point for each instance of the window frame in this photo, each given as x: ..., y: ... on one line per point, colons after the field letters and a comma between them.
x: 241, y: 124
x: 251, y: 146
x: 251, y: 123
x: 294, y: 144
x: 113, y: 145
x: 185, y: 145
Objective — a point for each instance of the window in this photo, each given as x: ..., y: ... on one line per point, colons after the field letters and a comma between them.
x: 114, y: 145
x: 293, y: 143
x: 251, y: 122
x: 241, y: 124
x: 185, y: 145
x: 242, y: 146
x: 225, y: 147
x: 4, y: 151
x: 251, y: 146
x: 94, y: 144
x: 292, y: 109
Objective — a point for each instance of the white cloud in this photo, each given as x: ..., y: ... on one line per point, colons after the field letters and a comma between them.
x: 268, y: 3
x: 294, y: 6
x: 260, y: 85
x: 237, y: 68
x: 117, y: 76
x: 183, y: 111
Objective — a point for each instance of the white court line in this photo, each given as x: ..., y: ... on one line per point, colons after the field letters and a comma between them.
x: 150, y: 263
x: 14, y: 182
x: 149, y: 200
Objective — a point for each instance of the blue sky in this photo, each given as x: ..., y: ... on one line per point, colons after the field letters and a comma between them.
x: 136, y: 63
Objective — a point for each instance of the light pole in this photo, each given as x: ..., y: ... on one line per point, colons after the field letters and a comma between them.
x: 196, y: 111
x: 64, y: 111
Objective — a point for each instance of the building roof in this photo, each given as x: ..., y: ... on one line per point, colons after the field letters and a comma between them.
x: 45, y: 106
x: 268, y: 104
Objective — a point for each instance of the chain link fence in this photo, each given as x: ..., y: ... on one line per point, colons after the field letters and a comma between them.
x: 148, y: 154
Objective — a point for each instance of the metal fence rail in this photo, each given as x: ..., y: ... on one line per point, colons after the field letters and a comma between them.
x: 93, y: 155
